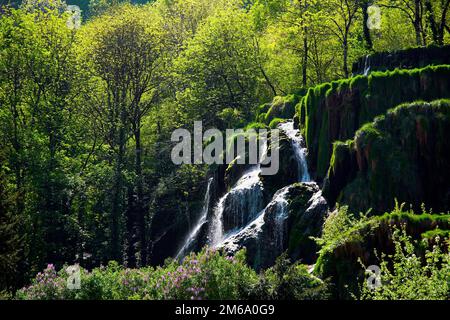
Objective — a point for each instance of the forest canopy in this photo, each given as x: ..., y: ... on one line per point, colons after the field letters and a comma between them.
x: 87, y: 109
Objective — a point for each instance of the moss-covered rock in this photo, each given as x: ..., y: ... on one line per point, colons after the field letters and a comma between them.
x: 288, y: 170
x: 282, y: 107
x: 334, y: 111
x: 285, y: 225
x: 403, y: 59
x: 307, y: 213
x: 402, y: 155
x: 342, y: 259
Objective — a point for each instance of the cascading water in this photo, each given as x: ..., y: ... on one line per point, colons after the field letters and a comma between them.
x: 241, y: 214
x: 366, y: 65
x: 277, y: 212
x: 238, y: 207
x: 215, y: 233
x: 281, y: 214
x: 197, y: 227
x: 299, y: 151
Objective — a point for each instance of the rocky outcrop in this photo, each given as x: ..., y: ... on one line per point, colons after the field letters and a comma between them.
x: 308, y: 211
x: 334, y: 111
x: 404, y: 59
x: 174, y: 211
x: 282, y: 107
x: 402, y: 155
x: 295, y: 214
x: 288, y: 168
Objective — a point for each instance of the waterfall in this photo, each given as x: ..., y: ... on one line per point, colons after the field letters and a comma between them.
x: 241, y: 210
x: 281, y: 214
x: 240, y: 205
x: 275, y: 214
x: 215, y: 233
x: 237, y: 207
x: 197, y: 227
x: 299, y: 149
x: 366, y: 65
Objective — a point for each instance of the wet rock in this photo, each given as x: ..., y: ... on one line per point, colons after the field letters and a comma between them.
x: 295, y: 213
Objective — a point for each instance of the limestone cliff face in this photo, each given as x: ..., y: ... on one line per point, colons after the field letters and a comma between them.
x: 334, y: 111
x: 402, y: 155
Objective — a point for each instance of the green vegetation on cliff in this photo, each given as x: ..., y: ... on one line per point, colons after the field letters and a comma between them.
x: 401, y: 155
x: 334, y: 111
x: 349, y: 242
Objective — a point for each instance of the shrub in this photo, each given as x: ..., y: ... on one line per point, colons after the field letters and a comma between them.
x: 405, y: 275
x: 290, y: 281
x: 206, y: 275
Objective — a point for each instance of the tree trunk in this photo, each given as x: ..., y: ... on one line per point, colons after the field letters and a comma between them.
x: 140, y: 211
x: 305, y: 59
x: 117, y: 191
x: 366, y: 31
x: 432, y: 22
x: 305, y: 52
x: 418, y: 22
x: 130, y: 228
x: 345, y: 67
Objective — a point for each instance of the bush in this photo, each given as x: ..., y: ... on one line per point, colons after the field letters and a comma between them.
x: 404, y: 275
x: 286, y: 281
x: 348, y: 242
x: 207, y: 275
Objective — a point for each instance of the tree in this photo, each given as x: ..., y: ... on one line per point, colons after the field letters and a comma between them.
x: 342, y: 15
x: 127, y: 58
x: 366, y: 32
x: 414, y: 11
x: 437, y: 19
x: 220, y: 69
x: 9, y: 238
x: 37, y: 72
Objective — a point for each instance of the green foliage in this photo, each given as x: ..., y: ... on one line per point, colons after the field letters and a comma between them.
x: 347, y: 241
x: 350, y: 103
x: 290, y: 281
x: 407, y: 276
x: 87, y: 115
x: 219, y: 69
x: 9, y: 238
x: 275, y: 122
x: 387, y: 157
x: 206, y: 275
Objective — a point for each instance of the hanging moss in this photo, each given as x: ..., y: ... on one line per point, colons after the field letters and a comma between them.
x: 405, y: 59
x: 402, y: 155
x: 275, y: 122
x: 334, y: 111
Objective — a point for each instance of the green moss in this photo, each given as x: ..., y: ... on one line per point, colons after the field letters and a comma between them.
x: 275, y: 122
x: 401, y: 155
x: 432, y: 234
x: 282, y: 107
x: 340, y: 150
x: 339, y: 256
x: 256, y: 126
x: 334, y: 111
x: 417, y: 57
